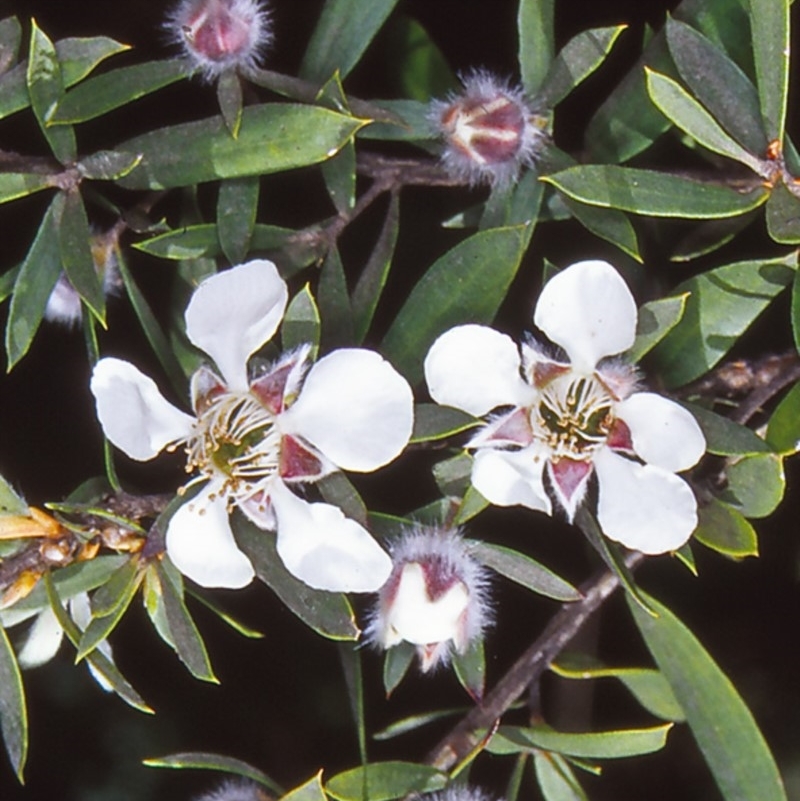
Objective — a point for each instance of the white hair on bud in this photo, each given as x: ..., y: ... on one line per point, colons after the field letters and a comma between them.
x: 458, y: 792
x: 235, y: 790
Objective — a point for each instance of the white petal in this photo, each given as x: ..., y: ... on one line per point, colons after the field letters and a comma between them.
x: 511, y: 478
x: 135, y: 416
x: 201, y: 545
x: 477, y: 369
x: 325, y: 549
x: 589, y: 311
x: 232, y: 314
x: 644, y: 507
x: 355, y: 408
x: 419, y: 620
x: 43, y: 640
x: 663, y: 432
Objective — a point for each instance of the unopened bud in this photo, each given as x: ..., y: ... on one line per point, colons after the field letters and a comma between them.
x: 217, y: 35
x: 236, y: 790
x: 436, y: 597
x: 489, y: 130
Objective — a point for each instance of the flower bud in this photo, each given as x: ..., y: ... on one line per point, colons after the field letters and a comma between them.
x: 489, y: 131
x: 458, y: 793
x: 236, y: 790
x: 217, y: 35
x: 436, y: 597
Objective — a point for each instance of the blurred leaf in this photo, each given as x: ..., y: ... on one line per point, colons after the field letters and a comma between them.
x: 457, y: 288
x: 373, y: 277
x: 328, y: 613
x: 7, y: 281
x: 652, y: 193
x: 556, y: 779
x: 412, y: 123
x: 718, y: 83
x: 525, y: 571
x: 301, y: 322
x: 13, y: 711
x: 722, y: 305
x: 452, y: 475
x: 310, y: 791
x: 578, y: 59
x: 608, y: 224
x: 14, y: 185
x: 783, y: 430
x: 755, y: 484
x: 229, y: 97
x: 237, y: 204
x: 470, y: 668
x: 116, y: 88
x: 536, y: 42
x: 433, y: 422
x: 78, y: 57
x: 205, y: 761
x: 414, y: 722
x: 35, y: 282
x: 10, y: 501
x: 10, y: 41
x: 709, y: 235
x: 186, y: 639
x: 74, y: 237
x: 725, y: 530
x: 724, y: 437
x: 396, y: 663
x: 783, y: 215
x: 723, y: 726
x: 382, y: 781
x: 273, y: 137
x: 344, y: 31
x: 648, y: 686
x: 591, y: 745
x: 46, y: 88
x: 695, y: 120
x: 334, y: 303
x: 107, y: 165
x: 769, y: 23
x: 656, y: 319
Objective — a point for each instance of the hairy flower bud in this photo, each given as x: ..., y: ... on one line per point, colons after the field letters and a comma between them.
x: 236, y: 790
x: 458, y: 793
x: 217, y: 35
x: 489, y: 130
x: 436, y: 597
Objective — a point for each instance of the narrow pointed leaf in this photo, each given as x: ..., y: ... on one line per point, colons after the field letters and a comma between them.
x: 107, y: 165
x: 783, y: 430
x: 273, y: 137
x: 723, y: 726
x: 470, y: 669
x: 556, y: 779
x: 10, y: 41
x: 783, y: 215
x: 609, y: 224
x: 725, y: 530
x: 337, y: 489
x: 536, y: 42
x: 231, y: 101
x: 339, y: 173
x: 334, y: 303
x: 424, y: 70
x: 11, y: 503
x: 14, y: 185
x: 384, y: 781
x: 350, y: 658
x: 656, y: 319
x: 433, y: 422
x: 396, y: 664
x: 724, y: 437
x: 237, y: 204
x: 301, y: 323
x: 310, y: 791
x: 13, y: 710
x: 414, y: 722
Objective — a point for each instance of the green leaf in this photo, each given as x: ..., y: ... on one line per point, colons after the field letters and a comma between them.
x: 116, y: 88
x: 340, y: 178
x: 706, y: 237
x: 14, y: 185
x: 225, y: 617
x: 556, y: 779
x: 783, y: 429
x: 107, y: 165
x: 273, y: 137
x: 652, y: 193
x: 470, y: 668
x: 576, y: 61
x: 237, y: 204
x: 589, y: 745
x: 46, y: 88
x: 229, y: 97
x: 525, y: 571
x: 723, y: 726
x: 382, y: 781
x: 310, y: 791
x: 719, y: 84
x: 301, y: 323
x: 10, y: 502
x: 328, y: 613
x: 411, y: 125
x: 205, y: 761
x: 337, y: 489
x: 725, y: 530
x: 467, y: 284
x: 452, y: 475
x: 648, y: 686
x: 471, y: 505
x: 656, y: 319
x: 769, y: 23
x: 396, y: 664
x: 433, y: 422
x: 372, y: 280
x: 722, y: 305
x: 724, y: 437
x: 13, y: 711
x: 414, y: 722
x: 334, y: 303
x: 343, y: 32
x: 186, y: 639
x: 536, y: 42
x: 35, y: 282
x: 608, y: 224
x: 350, y: 659
x: 783, y: 215
x: 10, y: 41
x: 755, y: 484
x: 695, y: 120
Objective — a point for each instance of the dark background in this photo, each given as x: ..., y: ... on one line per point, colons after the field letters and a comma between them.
x: 282, y: 703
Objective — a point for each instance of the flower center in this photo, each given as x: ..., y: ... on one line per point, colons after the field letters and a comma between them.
x: 236, y: 436
x: 574, y: 416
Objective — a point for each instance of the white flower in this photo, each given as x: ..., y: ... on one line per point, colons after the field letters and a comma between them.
x: 252, y: 438
x: 569, y: 420
x: 436, y: 597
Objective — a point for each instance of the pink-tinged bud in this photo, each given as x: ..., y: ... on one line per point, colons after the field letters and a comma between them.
x: 489, y: 131
x: 458, y: 793
x: 236, y: 790
x: 436, y: 597
x: 217, y: 35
